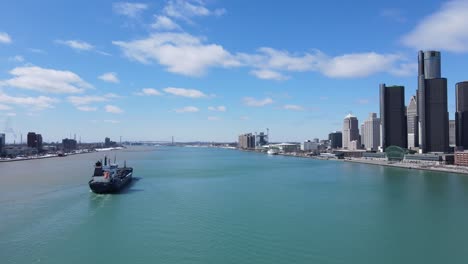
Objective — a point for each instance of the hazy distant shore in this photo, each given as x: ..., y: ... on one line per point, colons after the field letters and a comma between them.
x: 48, y: 156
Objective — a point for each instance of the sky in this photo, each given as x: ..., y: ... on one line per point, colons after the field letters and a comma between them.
x: 210, y: 70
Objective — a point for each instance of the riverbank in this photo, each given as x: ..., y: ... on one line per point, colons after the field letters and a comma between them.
x: 410, y: 166
x: 47, y: 156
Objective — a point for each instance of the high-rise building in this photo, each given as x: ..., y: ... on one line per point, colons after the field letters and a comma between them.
x: 32, y: 140
x: 371, y: 130
x: 362, y: 135
x: 336, y: 139
x: 39, y: 142
x: 392, y: 117
x: 2, y: 143
x: 68, y: 145
x: 412, y: 123
x: 461, y: 115
x: 433, y: 119
x: 452, y: 136
x: 350, y: 131
x: 247, y: 141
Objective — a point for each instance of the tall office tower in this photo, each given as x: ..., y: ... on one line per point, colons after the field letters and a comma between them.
x: 32, y: 140
x: 362, y: 135
x: 412, y: 123
x: 336, y: 139
x: 371, y: 130
x: 39, y: 142
x: 452, y: 127
x: 392, y: 117
x: 461, y: 115
x: 350, y: 130
x: 2, y: 143
x: 432, y: 104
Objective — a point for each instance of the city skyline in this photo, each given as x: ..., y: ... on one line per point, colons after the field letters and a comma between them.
x: 116, y: 70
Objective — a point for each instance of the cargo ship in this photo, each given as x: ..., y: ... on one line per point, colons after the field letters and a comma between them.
x: 110, y: 178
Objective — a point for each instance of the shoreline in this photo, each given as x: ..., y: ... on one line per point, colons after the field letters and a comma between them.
x: 409, y: 166
x: 57, y: 155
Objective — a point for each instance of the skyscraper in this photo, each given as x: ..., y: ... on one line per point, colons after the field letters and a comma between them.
x: 336, y: 139
x: 452, y: 128
x: 461, y: 115
x: 392, y: 117
x: 2, y: 142
x: 32, y: 140
x: 432, y: 104
x: 350, y: 131
x: 371, y: 130
x: 412, y: 123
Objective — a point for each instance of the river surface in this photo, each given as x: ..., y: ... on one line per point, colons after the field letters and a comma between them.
x: 202, y: 205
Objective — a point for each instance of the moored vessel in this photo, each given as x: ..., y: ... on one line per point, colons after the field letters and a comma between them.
x: 273, y: 151
x: 110, y: 178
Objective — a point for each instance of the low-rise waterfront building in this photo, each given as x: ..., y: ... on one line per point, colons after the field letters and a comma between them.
x: 461, y: 158
x: 430, y: 158
x: 346, y: 153
x: 287, y: 147
x: 374, y: 155
x: 310, y: 146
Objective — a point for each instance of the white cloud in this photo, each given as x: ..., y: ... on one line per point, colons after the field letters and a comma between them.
x: 11, y: 114
x: 249, y: 101
x: 76, y: 44
x: 111, y: 121
x: 88, y: 99
x: 86, y: 108
x: 220, y: 108
x: 446, y: 29
x: 4, y: 107
x: 269, y: 63
x: 164, y: 23
x: 113, y: 109
x: 110, y: 77
x: 358, y: 64
x: 149, y: 91
x: 46, y: 80
x: 244, y: 118
x: 192, y: 93
x: 5, y: 38
x: 269, y: 75
x: 40, y: 102
x: 132, y: 10
x: 293, y: 107
x: 17, y: 58
x: 214, y: 118
x: 187, y: 109
x: 186, y: 9
x: 185, y: 54
x: 181, y: 53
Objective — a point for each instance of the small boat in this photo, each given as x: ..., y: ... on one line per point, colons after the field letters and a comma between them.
x: 273, y: 151
x: 110, y: 178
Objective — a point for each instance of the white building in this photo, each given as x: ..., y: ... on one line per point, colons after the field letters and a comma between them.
x: 350, y: 131
x: 310, y: 146
x: 371, y: 132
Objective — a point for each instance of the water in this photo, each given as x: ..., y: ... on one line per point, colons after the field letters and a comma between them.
x: 197, y: 205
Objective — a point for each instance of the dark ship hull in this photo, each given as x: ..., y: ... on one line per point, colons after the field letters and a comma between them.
x: 118, y: 183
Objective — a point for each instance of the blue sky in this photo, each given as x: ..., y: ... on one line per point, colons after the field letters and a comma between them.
x: 212, y: 69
